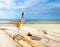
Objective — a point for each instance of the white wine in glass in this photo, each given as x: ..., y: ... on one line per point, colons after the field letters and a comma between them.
x: 20, y: 22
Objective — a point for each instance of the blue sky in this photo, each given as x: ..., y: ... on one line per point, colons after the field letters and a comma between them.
x: 34, y: 9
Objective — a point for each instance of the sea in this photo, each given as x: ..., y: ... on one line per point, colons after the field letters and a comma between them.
x: 32, y: 21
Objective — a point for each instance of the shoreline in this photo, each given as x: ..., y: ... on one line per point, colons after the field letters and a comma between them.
x: 32, y: 22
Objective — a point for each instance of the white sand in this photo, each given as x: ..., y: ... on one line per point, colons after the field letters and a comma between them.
x: 35, y: 29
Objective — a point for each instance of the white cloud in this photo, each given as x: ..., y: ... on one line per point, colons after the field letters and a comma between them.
x: 10, y: 4
x: 1, y: 5
x: 27, y: 3
x: 8, y: 15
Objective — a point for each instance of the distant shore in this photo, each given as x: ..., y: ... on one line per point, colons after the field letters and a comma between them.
x: 34, y: 22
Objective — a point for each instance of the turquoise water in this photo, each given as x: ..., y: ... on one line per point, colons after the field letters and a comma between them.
x: 43, y: 22
x: 33, y: 21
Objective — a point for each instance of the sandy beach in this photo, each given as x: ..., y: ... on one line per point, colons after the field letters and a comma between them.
x: 54, y: 28
x: 52, y: 36
x: 47, y: 27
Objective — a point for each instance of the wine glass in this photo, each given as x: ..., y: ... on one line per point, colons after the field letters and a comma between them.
x: 19, y: 24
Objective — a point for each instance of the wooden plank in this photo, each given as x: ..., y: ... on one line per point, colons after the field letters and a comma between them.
x: 6, y: 41
x: 29, y: 41
x: 12, y: 38
x: 32, y: 42
x: 50, y: 36
x: 42, y: 43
